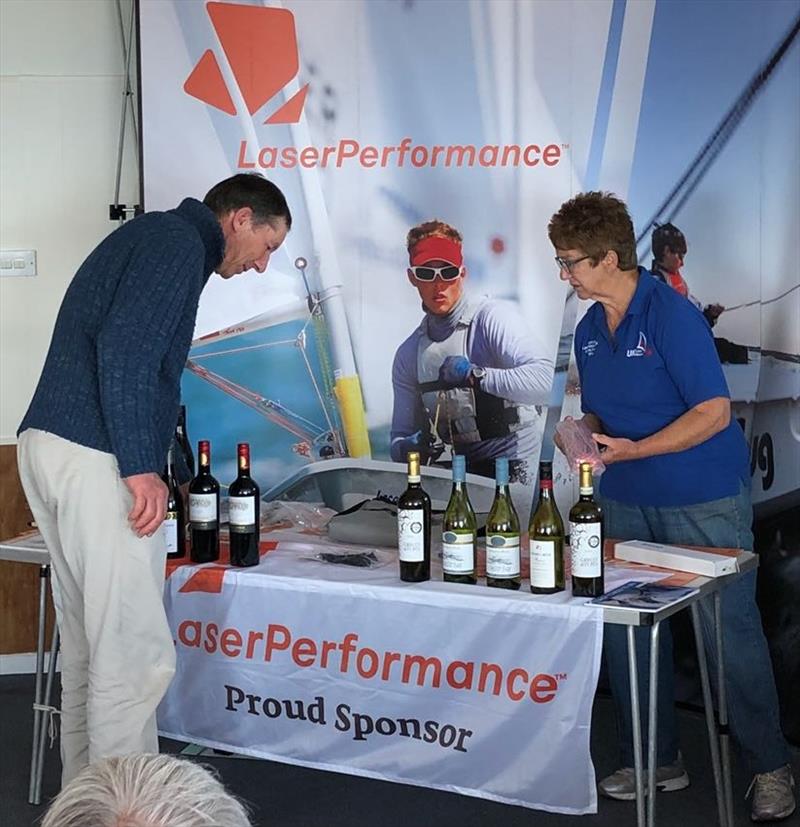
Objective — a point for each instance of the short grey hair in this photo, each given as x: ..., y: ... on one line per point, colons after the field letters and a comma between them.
x: 145, y: 790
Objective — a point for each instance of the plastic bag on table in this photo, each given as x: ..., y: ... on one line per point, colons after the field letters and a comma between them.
x: 577, y: 445
x: 311, y: 518
x: 358, y: 558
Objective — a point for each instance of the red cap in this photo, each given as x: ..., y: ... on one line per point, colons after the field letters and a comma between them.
x: 436, y: 248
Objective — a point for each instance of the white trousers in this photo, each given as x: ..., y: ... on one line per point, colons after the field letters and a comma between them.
x: 117, y: 652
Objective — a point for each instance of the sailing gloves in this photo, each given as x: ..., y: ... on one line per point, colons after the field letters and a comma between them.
x: 418, y: 441
x: 457, y: 372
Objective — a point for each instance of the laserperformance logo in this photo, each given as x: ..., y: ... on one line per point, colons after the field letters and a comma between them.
x: 260, y: 46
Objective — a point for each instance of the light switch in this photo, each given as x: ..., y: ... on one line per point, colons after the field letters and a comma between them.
x: 17, y: 262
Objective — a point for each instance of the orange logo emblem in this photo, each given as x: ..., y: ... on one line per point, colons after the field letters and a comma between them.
x: 260, y: 46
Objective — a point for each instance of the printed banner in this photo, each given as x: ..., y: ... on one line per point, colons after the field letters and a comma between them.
x: 483, y: 694
x: 376, y: 115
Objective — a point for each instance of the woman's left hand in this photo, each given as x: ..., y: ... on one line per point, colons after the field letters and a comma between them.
x: 616, y: 448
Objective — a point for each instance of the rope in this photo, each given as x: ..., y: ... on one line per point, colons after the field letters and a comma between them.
x: 758, y: 301
x: 719, y: 138
x: 321, y: 330
x: 51, y: 712
x: 314, y: 316
x: 243, y: 348
x: 332, y: 430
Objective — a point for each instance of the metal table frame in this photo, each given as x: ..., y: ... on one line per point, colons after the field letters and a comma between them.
x: 31, y: 550
x: 718, y: 733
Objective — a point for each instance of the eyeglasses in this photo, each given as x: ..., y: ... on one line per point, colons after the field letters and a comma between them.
x: 448, y: 273
x: 567, y: 264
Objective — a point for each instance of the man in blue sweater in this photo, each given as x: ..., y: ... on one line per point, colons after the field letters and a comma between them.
x: 95, y: 438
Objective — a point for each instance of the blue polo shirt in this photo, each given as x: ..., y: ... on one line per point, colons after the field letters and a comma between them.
x: 660, y: 363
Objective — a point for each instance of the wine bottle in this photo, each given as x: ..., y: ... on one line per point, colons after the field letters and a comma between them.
x: 459, y: 529
x: 182, y: 439
x: 244, y: 512
x: 546, y: 532
x: 586, y: 539
x: 414, y: 527
x: 204, y: 509
x: 174, y: 525
x: 502, y: 534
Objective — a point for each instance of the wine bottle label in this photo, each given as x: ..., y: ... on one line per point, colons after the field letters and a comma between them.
x: 502, y: 556
x: 458, y: 553
x: 203, y: 510
x: 411, y: 534
x: 242, y: 513
x: 169, y: 529
x: 587, y: 550
x: 543, y: 564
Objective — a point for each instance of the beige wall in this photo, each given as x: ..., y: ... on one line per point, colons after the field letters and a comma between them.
x: 61, y: 84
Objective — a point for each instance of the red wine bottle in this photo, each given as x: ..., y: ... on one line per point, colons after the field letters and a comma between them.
x: 244, y: 512
x: 182, y: 440
x: 414, y: 527
x: 174, y: 525
x: 204, y: 509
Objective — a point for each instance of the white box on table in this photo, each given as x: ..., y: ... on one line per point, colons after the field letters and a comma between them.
x: 676, y: 557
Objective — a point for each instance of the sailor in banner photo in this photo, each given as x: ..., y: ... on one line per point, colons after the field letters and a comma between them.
x: 471, y: 377
x: 669, y: 253
x: 94, y: 441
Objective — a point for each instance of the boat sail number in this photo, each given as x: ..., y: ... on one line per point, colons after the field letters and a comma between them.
x: 761, y: 454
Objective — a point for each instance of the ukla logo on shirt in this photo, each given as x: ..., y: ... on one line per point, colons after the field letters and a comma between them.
x: 641, y: 348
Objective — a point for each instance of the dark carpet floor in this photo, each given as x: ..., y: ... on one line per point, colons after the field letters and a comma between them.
x: 281, y: 794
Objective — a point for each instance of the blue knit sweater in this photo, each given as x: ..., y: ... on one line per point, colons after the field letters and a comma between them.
x: 111, y: 380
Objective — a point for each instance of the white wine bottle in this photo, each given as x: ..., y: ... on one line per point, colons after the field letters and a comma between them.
x: 414, y: 527
x: 502, y: 534
x: 546, y: 532
x: 459, y: 530
x: 586, y: 540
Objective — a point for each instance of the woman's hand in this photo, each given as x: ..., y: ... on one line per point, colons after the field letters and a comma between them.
x: 616, y: 448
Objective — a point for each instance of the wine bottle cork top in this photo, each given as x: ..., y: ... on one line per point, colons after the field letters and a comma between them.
x: 586, y: 476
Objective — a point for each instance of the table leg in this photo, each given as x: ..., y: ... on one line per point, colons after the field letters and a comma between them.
x: 46, y: 715
x: 44, y: 576
x: 708, y: 703
x: 652, y: 728
x: 722, y: 699
x: 637, y: 727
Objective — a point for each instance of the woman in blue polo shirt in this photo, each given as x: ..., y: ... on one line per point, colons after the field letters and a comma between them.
x: 653, y: 393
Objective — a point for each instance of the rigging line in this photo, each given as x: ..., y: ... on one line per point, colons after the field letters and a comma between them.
x: 245, y: 347
x: 320, y: 398
x: 758, y: 301
x: 699, y: 172
x: 733, y: 116
x: 274, y: 411
x: 312, y: 311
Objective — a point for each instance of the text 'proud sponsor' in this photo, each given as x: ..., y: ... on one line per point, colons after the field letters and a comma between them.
x: 360, y: 724
x: 350, y: 152
x: 348, y: 657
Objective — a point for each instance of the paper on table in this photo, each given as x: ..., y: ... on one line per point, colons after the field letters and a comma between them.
x: 643, y: 596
